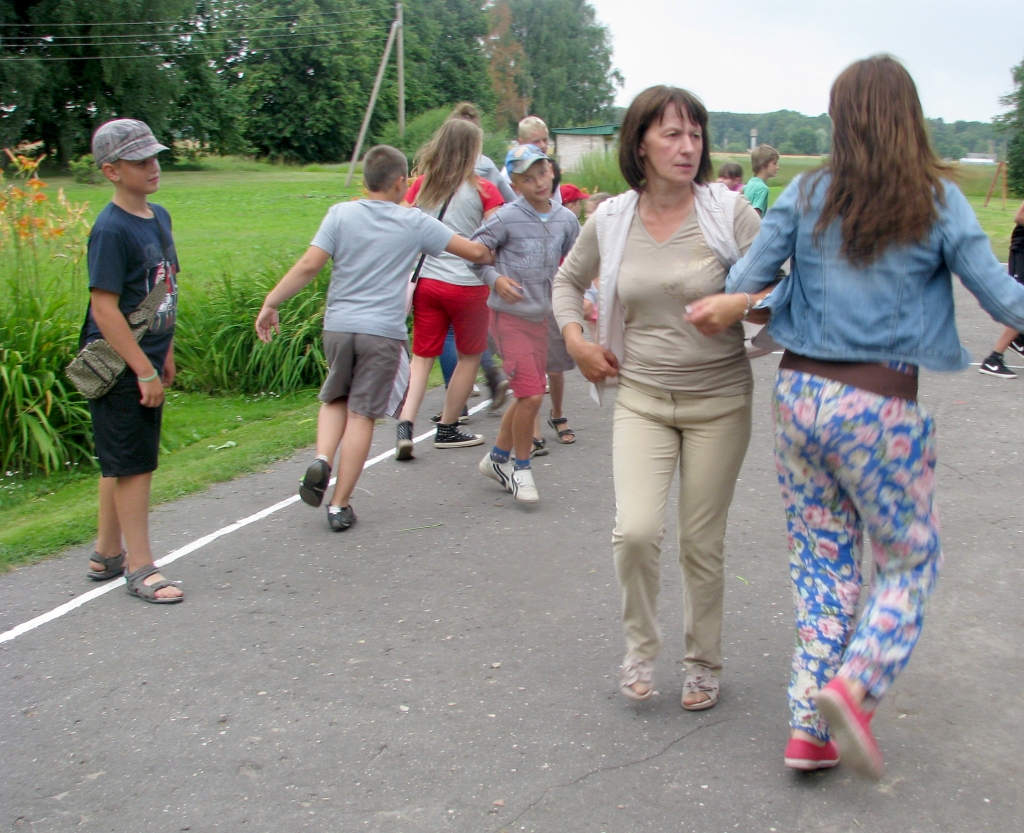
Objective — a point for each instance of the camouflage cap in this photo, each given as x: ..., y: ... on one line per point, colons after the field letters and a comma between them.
x: 124, y: 139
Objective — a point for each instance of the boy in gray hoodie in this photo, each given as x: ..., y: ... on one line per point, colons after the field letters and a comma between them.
x: 529, y: 238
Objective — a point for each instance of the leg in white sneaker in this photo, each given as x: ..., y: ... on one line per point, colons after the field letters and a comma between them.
x: 523, y: 488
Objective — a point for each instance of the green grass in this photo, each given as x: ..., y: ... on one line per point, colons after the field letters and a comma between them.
x: 233, y: 220
x: 42, y: 515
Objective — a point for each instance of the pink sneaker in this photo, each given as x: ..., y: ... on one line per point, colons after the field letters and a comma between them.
x: 802, y: 754
x: 851, y: 728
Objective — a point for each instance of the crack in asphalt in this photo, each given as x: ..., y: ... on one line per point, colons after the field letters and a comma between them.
x: 954, y: 468
x: 508, y: 825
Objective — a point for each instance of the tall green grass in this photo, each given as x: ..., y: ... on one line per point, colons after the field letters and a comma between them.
x: 598, y: 172
x: 216, y: 348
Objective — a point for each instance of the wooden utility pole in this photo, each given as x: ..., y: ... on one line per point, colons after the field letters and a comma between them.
x: 401, y: 69
x: 1000, y: 169
x: 373, y: 101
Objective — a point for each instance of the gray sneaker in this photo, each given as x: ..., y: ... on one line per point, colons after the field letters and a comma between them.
x: 315, y: 482
x: 340, y: 517
x: 404, y: 444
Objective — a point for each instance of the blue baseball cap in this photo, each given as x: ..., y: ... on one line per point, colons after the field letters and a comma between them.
x: 521, y: 157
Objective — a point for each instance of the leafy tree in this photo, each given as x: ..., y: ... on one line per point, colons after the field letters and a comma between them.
x: 419, y: 130
x: 284, y: 78
x: 568, y: 78
x: 305, y: 84
x: 805, y: 140
x: 67, y: 65
x: 507, y: 68
x: 1013, y: 123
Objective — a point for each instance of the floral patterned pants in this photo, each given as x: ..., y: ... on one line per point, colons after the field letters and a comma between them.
x: 848, y: 461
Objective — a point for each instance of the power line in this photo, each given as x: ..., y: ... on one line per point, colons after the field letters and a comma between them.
x: 56, y: 24
x: 28, y: 42
x: 253, y: 51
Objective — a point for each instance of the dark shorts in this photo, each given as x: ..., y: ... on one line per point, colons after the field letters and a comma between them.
x: 1016, y: 266
x: 559, y: 360
x: 362, y: 369
x: 127, y: 435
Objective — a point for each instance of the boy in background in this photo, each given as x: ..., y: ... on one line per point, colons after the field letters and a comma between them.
x: 130, y: 251
x: 731, y: 176
x: 573, y: 198
x: 994, y: 364
x: 765, y: 161
x: 529, y: 238
x: 374, y: 243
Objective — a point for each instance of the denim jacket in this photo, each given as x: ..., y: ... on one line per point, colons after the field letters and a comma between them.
x: 897, y: 308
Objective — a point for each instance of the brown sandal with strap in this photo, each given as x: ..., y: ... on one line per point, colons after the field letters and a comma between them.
x: 113, y: 566
x: 135, y: 584
x: 563, y: 432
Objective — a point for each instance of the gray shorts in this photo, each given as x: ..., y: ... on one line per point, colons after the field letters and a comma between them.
x: 559, y: 360
x: 362, y: 369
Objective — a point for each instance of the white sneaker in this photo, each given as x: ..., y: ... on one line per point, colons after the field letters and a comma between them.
x: 502, y: 472
x: 522, y: 486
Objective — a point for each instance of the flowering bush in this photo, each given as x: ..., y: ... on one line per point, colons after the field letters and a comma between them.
x: 44, y: 422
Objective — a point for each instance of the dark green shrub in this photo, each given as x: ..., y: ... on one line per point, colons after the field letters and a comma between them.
x: 84, y: 170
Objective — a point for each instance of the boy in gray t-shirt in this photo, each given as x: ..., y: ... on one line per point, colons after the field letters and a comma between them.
x: 374, y: 243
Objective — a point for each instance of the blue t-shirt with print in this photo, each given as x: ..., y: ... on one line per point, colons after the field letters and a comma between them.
x: 127, y: 256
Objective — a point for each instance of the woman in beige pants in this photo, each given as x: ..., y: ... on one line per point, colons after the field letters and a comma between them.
x: 683, y: 399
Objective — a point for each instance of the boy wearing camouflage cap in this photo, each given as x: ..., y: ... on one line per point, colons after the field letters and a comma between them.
x: 130, y: 251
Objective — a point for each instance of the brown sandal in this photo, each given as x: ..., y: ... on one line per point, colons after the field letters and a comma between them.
x: 113, y: 566
x: 135, y: 584
x: 562, y: 432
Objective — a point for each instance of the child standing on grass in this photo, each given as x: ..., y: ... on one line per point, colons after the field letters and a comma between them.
x: 130, y: 251
x: 529, y: 237
x: 764, y: 159
x: 374, y: 243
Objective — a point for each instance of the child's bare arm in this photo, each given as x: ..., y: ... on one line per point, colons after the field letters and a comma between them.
x: 305, y: 269
x: 470, y: 250
x: 1019, y: 216
x: 114, y: 328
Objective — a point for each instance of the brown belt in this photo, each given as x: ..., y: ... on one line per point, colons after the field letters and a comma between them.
x: 875, y: 378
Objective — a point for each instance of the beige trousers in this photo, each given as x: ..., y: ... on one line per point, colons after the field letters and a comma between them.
x: 707, y: 437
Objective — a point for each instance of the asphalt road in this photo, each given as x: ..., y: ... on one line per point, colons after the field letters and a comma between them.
x: 449, y: 663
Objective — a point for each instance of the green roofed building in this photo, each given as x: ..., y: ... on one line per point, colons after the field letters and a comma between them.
x: 573, y: 143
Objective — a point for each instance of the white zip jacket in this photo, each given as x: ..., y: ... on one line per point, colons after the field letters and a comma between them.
x: 715, y: 205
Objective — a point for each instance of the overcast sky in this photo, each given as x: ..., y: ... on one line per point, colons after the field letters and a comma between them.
x: 743, y: 56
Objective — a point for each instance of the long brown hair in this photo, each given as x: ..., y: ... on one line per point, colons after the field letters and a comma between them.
x: 886, y: 177
x: 646, y: 109
x: 447, y: 160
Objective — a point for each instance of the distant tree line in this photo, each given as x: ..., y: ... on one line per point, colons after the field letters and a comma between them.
x: 794, y: 133
x: 289, y: 79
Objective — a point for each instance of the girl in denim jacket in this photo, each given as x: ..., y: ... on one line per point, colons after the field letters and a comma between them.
x: 874, y: 236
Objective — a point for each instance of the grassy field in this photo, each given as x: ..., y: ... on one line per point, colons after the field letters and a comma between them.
x: 205, y: 440
x: 974, y: 180
x: 231, y: 218
x: 227, y: 220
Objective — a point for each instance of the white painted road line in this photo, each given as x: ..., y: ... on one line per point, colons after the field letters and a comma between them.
x: 199, y: 543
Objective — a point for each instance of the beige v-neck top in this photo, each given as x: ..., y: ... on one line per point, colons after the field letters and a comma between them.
x: 655, y: 283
